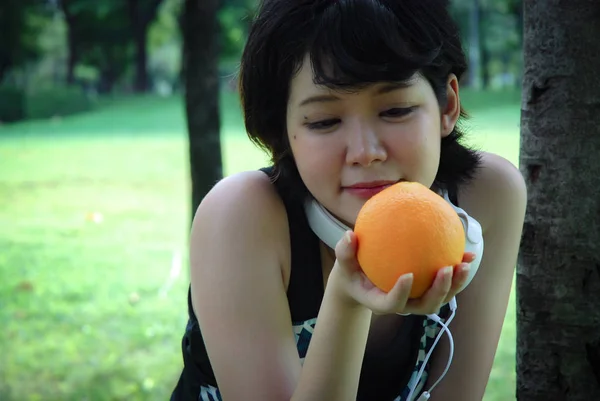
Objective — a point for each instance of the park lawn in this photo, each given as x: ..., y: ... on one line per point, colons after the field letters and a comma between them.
x: 94, y: 216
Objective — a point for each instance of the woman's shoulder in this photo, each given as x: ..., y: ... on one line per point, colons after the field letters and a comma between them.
x: 496, y: 191
x: 255, y: 186
x: 244, y: 194
x: 244, y: 203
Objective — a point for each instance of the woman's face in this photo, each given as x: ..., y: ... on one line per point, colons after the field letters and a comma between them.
x: 349, y: 146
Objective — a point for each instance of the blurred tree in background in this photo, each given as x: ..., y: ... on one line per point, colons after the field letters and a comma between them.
x: 22, y: 22
x: 99, y: 36
x: 492, y: 32
x: 134, y: 46
x: 111, y: 36
x: 200, y: 27
x: 141, y: 14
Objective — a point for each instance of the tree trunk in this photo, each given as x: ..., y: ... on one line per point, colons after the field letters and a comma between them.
x: 484, y: 16
x: 200, y: 71
x: 141, y: 83
x: 71, y: 41
x: 72, y: 57
x: 141, y: 15
x: 474, y: 44
x: 4, y: 68
x: 107, y: 81
x: 516, y: 9
x: 558, y: 277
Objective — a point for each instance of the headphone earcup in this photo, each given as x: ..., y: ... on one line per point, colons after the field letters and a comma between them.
x: 473, y: 242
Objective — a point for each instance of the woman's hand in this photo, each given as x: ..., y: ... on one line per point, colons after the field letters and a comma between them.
x: 356, y: 288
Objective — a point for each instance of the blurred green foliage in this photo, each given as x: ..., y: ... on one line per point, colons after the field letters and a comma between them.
x: 12, y: 104
x: 56, y: 102
x: 44, y: 102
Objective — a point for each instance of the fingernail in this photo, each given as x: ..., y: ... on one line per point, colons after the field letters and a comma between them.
x: 466, y: 268
x: 447, y: 271
x: 347, y: 238
x: 407, y: 277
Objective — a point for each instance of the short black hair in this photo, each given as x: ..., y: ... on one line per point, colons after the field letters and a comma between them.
x: 351, y: 43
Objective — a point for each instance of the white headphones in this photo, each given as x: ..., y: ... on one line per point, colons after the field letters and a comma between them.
x: 330, y: 230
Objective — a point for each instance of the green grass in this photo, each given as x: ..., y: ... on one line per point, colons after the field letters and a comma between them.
x: 93, y: 215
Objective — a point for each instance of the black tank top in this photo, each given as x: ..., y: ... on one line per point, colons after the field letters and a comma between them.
x: 385, y: 372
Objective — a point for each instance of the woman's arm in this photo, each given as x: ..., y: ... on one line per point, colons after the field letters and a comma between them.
x: 333, y: 363
x: 238, y: 244
x: 497, y: 199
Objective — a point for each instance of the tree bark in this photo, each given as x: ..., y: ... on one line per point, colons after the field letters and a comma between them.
x: 558, y: 274
x: 141, y: 15
x: 200, y: 72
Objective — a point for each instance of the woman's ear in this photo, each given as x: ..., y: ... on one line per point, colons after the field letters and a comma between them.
x: 451, y: 111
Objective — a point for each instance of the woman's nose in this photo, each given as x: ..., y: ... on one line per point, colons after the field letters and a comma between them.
x: 364, y: 146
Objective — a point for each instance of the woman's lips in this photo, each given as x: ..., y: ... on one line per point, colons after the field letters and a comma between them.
x: 368, y: 189
x: 366, y: 193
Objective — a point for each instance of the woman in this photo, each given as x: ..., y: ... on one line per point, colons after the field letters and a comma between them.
x: 348, y: 97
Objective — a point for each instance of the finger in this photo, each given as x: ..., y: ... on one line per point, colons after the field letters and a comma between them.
x: 397, y: 297
x: 379, y: 301
x: 345, y: 250
x: 431, y: 301
x: 468, y: 257
x: 459, y: 278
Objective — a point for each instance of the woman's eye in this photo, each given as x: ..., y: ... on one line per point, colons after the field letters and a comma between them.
x: 398, y: 112
x: 323, y: 125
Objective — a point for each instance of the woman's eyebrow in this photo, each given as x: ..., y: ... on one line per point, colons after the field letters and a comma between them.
x: 387, y: 88
x: 319, y: 99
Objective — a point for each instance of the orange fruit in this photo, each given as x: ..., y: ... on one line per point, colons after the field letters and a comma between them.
x: 408, y: 228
